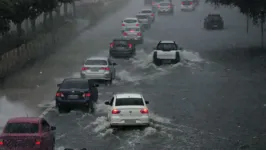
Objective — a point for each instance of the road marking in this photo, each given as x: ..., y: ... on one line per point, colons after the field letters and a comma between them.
x: 46, y: 111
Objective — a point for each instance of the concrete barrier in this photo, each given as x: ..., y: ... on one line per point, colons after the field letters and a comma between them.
x: 44, y: 44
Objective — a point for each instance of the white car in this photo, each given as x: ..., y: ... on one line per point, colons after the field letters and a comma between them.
x: 188, y: 5
x: 166, y: 52
x: 149, y: 12
x: 130, y: 22
x: 128, y: 109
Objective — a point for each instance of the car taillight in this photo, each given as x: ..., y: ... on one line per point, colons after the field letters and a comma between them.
x: 115, y: 111
x: 105, y: 68
x: 152, y: 14
x: 144, y: 111
x: 124, y: 34
x: 86, y: 95
x: 112, y: 45
x: 153, y: 3
x: 158, y: 6
x: 123, y: 24
x: 38, y: 142
x: 137, y: 25
x: 1, y: 142
x: 139, y: 34
x: 130, y: 45
x: 169, y: 6
x: 190, y: 3
x: 183, y: 3
x: 59, y: 94
x: 84, y: 68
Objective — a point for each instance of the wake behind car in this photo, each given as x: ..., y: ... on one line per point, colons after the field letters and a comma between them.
x: 122, y: 48
x: 128, y: 109
x: 166, y: 52
x: 213, y: 21
x: 148, y: 12
x: 134, y: 34
x: 99, y: 69
x: 165, y: 8
x: 188, y: 5
x: 27, y: 133
x: 76, y: 93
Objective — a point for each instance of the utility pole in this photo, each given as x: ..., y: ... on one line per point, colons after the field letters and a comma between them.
x: 262, y: 20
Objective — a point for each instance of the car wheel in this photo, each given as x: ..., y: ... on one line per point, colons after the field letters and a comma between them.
x: 177, y: 58
x: 91, y: 106
x: 109, y: 82
x: 156, y: 61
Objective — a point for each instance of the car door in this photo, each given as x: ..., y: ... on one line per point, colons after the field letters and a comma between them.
x: 112, y: 67
x: 110, y: 107
x: 47, y: 133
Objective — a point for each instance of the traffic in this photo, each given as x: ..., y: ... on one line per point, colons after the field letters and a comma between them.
x: 81, y: 93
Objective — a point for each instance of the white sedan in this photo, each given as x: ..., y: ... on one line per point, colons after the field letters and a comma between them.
x: 130, y: 22
x: 128, y: 109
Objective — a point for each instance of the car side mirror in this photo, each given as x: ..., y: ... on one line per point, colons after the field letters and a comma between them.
x: 53, y: 128
x: 96, y: 85
x: 114, y: 64
x: 181, y: 48
x: 58, y: 85
x: 107, y: 103
x: 147, y: 102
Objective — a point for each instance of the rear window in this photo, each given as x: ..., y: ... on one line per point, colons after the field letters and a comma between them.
x: 157, y: 1
x: 130, y: 21
x: 132, y: 29
x: 129, y: 101
x: 142, y: 17
x: 215, y: 17
x: 74, y: 84
x: 167, y: 46
x: 186, y: 2
x: 164, y: 4
x: 22, y: 128
x: 96, y: 62
x: 146, y: 11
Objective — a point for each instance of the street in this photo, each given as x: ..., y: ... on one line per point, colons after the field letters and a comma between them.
x: 213, y: 99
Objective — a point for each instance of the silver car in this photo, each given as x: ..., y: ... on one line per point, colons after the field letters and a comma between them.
x: 133, y: 33
x: 130, y: 22
x: 148, y: 12
x: 165, y: 7
x: 145, y: 20
x: 99, y: 68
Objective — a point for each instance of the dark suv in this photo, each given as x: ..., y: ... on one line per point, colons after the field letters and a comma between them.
x: 122, y: 48
x: 213, y: 21
x: 76, y: 93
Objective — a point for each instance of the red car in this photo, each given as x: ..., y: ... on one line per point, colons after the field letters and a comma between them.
x: 27, y: 133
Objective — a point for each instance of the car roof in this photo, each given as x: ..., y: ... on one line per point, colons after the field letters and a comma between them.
x: 167, y: 41
x: 75, y: 79
x: 24, y: 120
x: 146, y: 9
x: 128, y: 95
x: 131, y: 18
x: 142, y: 14
x: 97, y: 58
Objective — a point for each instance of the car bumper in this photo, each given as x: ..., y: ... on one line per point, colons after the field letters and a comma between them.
x: 20, y: 148
x: 132, y: 121
x: 133, y: 38
x: 121, y: 53
x: 164, y: 11
x: 187, y: 8
x: 72, y: 103
x: 103, y: 76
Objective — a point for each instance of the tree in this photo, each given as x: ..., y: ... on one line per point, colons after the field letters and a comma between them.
x: 6, y: 11
x: 34, y: 11
x: 48, y: 6
x: 65, y: 2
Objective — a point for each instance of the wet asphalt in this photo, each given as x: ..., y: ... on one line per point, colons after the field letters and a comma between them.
x: 212, y: 99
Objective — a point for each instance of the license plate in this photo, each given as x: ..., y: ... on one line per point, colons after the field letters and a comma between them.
x: 73, y: 97
x: 130, y: 121
x: 166, y: 61
x: 215, y: 25
x: 94, y: 69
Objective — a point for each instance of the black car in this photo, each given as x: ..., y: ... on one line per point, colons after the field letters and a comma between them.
x: 76, y: 93
x: 122, y: 48
x: 213, y: 21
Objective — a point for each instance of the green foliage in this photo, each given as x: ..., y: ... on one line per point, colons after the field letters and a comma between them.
x: 252, y: 8
x: 4, y: 26
x: 21, y: 10
x: 66, y: 1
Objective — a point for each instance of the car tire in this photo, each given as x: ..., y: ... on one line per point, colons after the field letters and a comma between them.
x: 91, y: 106
x: 156, y: 61
x: 177, y: 58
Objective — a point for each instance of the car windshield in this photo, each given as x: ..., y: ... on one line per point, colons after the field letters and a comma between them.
x: 167, y: 46
x: 132, y: 29
x: 146, y: 11
x: 142, y: 17
x: 21, y: 128
x: 164, y: 4
x: 130, y: 21
x: 96, y: 62
x: 78, y: 84
x: 129, y: 101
